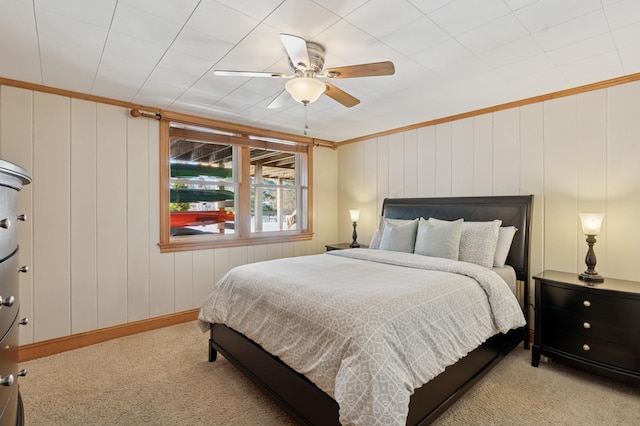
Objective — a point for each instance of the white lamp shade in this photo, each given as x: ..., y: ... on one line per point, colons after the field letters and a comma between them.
x: 355, y: 215
x: 305, y: 89
x: 591, y: 222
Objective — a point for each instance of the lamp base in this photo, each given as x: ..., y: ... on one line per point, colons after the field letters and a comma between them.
x: 354, y: 245
x: 592, y: 277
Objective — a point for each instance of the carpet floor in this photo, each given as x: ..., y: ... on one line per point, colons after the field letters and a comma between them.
x: 162, y: 377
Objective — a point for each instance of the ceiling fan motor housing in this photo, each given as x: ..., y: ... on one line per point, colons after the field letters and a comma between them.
x: 316, y: 59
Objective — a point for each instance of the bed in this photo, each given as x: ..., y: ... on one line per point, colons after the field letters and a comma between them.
x: 301, y: 394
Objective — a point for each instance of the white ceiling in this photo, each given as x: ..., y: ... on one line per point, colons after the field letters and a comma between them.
x: 451, y: 56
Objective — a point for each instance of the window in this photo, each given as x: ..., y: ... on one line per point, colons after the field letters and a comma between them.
x: 224, y: 188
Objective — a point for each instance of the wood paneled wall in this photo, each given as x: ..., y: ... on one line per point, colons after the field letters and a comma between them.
x: 93, y: 208
x: 578, y: 153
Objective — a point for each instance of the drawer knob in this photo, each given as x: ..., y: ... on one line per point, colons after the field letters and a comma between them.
x: 7, y: 380
x: 22, y: 217
x: 586, y: 303
x: 5, y: 223
x: 24, y: 269
x: 7, y: 301
x: 24, y: 321
x: 586, y: 325
x: 22, y: 372
x: 586, y: 347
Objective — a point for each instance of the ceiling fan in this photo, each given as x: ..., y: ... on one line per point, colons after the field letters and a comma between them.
x: 306, y: 59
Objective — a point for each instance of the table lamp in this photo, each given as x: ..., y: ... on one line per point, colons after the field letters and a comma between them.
x: 591, y: 223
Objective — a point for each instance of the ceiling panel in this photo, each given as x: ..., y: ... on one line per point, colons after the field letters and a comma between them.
x: 20, y: 55
x: 303, y: 18
x: 544, y: 14
x: 460, y: 16
x: 503, y: 30
x: 94, y: 12
x: 450, y: 56
x: 573, y: 31
x: 426, y: 33
x: 375, y: 19
x: 69, y: 61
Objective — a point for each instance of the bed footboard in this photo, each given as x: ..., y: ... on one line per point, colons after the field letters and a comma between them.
x: 309, y: 405
x: 296, y: 394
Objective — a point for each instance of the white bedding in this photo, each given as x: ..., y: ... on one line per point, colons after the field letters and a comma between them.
x: 366, y: 326
x: 508, y: 274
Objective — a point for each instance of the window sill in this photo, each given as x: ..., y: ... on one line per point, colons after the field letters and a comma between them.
x: 192, y: 243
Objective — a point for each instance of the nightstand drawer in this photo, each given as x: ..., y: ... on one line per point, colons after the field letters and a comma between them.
x: 579, y: 301
x: 592, y: 349
x: 591, y: 326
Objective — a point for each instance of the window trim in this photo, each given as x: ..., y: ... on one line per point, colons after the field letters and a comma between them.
x: 202, y: 242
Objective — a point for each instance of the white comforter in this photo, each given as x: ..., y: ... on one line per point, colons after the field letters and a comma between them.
x: 366, y: 326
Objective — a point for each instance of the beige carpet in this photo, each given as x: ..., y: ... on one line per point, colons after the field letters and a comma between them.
x: 162, y: 377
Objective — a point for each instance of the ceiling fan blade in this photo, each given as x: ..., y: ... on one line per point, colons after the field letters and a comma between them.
x: 279, y: 100
x: 363, y: 70
x: 225, y: 73
x: 340, y: 96
x: 296, y: 48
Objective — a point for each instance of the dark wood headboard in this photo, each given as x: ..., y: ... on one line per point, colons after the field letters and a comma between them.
x: 512, y: 210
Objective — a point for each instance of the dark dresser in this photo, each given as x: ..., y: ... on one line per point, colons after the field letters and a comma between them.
x: 593, y: 326
x: 12, y: 178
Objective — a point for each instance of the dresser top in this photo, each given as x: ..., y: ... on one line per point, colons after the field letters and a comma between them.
x: 608, y: 284
x: 13, y: 175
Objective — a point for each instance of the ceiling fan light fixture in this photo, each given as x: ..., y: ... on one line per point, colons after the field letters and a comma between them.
x: 305, y: 89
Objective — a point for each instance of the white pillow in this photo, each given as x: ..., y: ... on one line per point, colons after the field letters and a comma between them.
x: 478, y: 241
x: 441, y: 239
x: 399, y: 237
x: 377, y: 236
x: 375, y: 240
x: 505, y: 238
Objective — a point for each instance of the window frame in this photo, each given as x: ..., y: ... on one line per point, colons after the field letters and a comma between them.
x: 244, y: 139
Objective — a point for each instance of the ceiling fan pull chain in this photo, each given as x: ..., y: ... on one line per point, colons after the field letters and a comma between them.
x: 305, y: 118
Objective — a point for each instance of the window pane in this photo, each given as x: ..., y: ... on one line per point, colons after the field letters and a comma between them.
x: 274, y: 190
x: 273, y: 216
x: 202, y: 188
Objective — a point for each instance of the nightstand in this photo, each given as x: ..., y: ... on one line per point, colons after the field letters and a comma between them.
x: 593, y: 326
x: 342, y: 246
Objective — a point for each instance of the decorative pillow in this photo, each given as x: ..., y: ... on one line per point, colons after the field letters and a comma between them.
x: 377, y: 236
x: 440, y: 239
x: 505, y: 238
x: 375, y: 240
x: 478, y: 241
x: 399, y: 237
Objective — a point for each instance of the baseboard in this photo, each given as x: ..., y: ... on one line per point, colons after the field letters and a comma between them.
x: 75, y: 341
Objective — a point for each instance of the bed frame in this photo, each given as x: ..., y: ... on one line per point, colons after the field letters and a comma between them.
x: 307, y: 404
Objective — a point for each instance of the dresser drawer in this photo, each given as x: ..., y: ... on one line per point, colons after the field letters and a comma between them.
x: 9, y: 364
x: 597, y: 350
x: 8, y: 234
x: 9, y: 287
x: 623, y: 331
x: 9, y: 412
